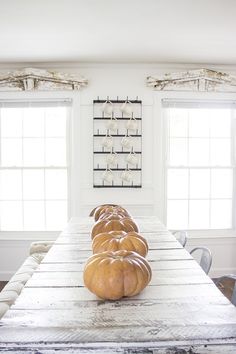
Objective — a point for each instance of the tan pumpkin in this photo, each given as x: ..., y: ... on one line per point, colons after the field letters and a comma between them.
x: 109, y: 209
x: 112, y: 216
x: 92, y: 212
x: 112, y: 275
x: 120, y: 240
x: 125, y: 224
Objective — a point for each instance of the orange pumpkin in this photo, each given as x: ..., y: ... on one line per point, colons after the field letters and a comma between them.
x: 120, y: 240
x: 125, y: 224
x: 112, y: 275
x: 109, y: 209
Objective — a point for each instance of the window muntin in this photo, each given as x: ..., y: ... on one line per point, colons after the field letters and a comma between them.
x: 199, y: 166
x: 33, y: 166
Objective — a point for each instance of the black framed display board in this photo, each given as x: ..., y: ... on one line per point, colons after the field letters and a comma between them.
x: 117, y: 143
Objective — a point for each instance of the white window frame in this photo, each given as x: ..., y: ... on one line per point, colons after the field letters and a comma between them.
x: 72, y: 146
x: 160, y: 156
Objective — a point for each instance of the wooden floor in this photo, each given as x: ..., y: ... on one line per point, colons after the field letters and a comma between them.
x: 226, y: 287
x: 2, y: 284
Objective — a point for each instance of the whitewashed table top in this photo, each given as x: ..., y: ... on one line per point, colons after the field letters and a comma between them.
x: 181, y: 310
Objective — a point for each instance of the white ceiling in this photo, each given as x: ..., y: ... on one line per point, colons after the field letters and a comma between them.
x: 179, y: 31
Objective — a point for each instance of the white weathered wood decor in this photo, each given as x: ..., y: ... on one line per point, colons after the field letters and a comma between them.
x: 194, y: 80
x: 180, y: 312
x: 31, y: 79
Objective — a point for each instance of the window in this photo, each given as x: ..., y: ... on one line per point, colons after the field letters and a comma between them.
x: 33, y: 165
x: 199, y: 169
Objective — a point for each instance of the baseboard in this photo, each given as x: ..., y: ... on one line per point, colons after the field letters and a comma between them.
x: 6, y: 275
x: 218, y: 272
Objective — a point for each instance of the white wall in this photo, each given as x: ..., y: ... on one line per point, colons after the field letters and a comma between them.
x: 117, y: 80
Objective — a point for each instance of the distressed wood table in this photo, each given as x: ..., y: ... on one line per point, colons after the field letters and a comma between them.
x: 181, y: 311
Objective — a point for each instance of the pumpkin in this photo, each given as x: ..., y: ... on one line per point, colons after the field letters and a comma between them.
x: 109, y: 209
x: 100, y: 206
x: 120, y: 240
x: 112, y: 216
x: 112, y: 275
x: 125, y: 224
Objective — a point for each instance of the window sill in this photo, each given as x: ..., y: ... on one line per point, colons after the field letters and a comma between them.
x: 211, y: 234
x: 28, y: 235
x: 52, y: 235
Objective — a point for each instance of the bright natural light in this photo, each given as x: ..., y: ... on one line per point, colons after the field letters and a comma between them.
x: 33, y: 170
x: 199, y: 168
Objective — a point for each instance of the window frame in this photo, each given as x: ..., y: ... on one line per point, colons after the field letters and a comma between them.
x: 72, y: 156
x: 161, y: 150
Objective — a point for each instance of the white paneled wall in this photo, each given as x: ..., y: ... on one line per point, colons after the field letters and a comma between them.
x: 12, y: 255
x: 122, y: 81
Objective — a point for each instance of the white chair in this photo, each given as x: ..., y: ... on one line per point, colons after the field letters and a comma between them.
x: 181, y: 236
x: 205, y: 260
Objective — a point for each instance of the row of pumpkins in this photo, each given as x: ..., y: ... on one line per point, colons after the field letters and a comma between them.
x: 118, y: 266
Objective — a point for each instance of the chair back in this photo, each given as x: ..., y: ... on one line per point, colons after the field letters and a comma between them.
x: 205, y: 258
x: 181, y: 236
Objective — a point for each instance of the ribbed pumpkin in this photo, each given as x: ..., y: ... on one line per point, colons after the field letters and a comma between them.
x: 112, y: 216
x: 125, y: 224
x: 92, y: 212
x: 112, y: 275
x: 120, y: 240
x: 109, y: 209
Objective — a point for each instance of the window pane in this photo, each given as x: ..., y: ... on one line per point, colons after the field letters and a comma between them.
x: 11, y: 122
x: 11, y: 152
x: 32, y: 139
x: 56, y: 184
x: 11, y: 216
x: 199, y: 123
x: 198, y: 152
x: 220, y: 152
x: 177, y: 212
x: 56, y: 215
x: 34, y: 216
x: 55, y: 120
x: 220, y: 123
x: 33, y: 184
x: 199, y: 183
x: 178, y: 122
x: 33, y: 152
x: 10, y: 185
x: 221, y: 211
x: 55, y: 152
x: 33, y: 123
x: 199, y: 214
x: 177, y: 184
x: 221, y: 183
x: 178, y: 154
x: 204, y: 145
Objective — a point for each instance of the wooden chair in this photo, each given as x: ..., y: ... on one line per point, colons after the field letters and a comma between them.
x: 181, y: 236
x: 205, y: 257
x: 228, y: 277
